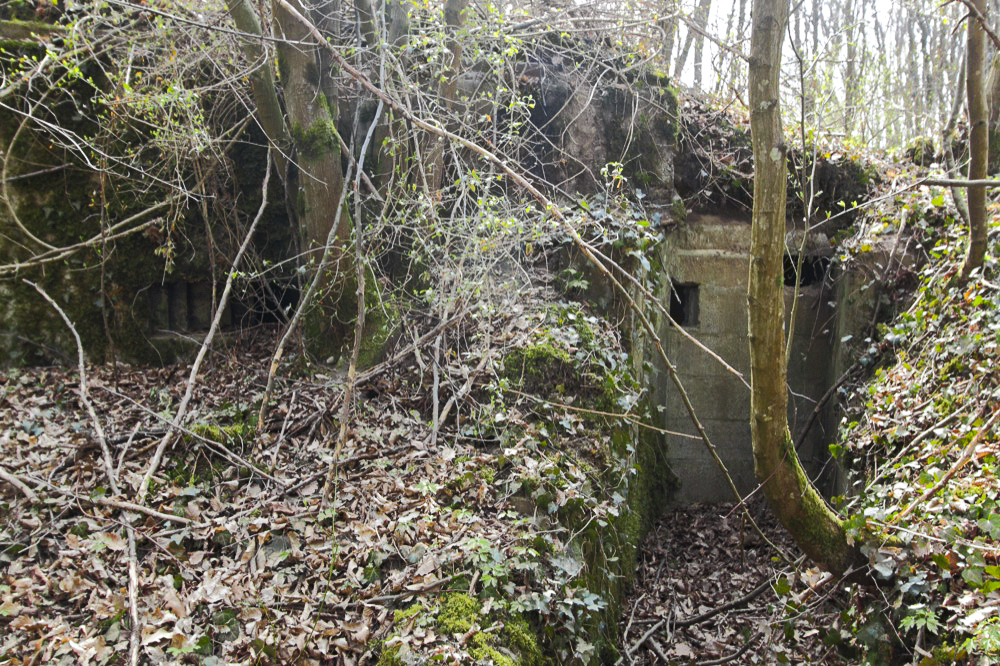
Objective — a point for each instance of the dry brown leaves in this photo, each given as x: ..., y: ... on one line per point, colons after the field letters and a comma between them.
x: 700, y: 558
x: 250, y: 567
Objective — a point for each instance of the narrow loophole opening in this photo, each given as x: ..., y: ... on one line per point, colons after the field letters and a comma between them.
x: 814, y: 270
x: 684, y: 303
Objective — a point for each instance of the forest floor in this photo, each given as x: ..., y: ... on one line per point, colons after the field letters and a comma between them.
x: 707, y: 592
x: 235, y: 551
x: 429, y: 549
x: 433, y: 548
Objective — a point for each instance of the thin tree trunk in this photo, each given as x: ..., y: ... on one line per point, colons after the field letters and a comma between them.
x: 737, y: 68
x: 978, y: 143
x: 700, y: 10
x: 851, y: 83
x: 669, y: 26
x: 701, y: 18
x: 269, y: 114
x: 797, y: 504
x: 325, y: 15
x: 454, y: 17
x: 389, y: 146
x: 927, y: 81
x: 916, y: 105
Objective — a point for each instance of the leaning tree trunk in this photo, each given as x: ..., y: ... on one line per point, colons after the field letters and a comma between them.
x: 269, y: 114
x: 978, y: 142
x: 797, y: 504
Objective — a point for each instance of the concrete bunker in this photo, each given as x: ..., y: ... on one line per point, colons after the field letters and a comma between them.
x: 707, y: 264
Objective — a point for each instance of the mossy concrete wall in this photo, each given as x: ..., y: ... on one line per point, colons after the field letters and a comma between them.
x: 124, y: 296
x: 713, y: 253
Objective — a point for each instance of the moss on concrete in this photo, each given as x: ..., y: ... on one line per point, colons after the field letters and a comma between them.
x: 625, y: 466
x: 541, y: 369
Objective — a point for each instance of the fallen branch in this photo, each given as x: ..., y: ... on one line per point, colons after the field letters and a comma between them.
x: 634, y: 420
x: 734, y: 656
x: 133, y: 561
x: 642, y: 640
x: 658, y: 649
x: 378, y: 371
x: 959, y: 464
x: 701, y: 617
x: 729, y: 605
x: 453, y: 400
x: 111, y: 503
x: 15, y: 481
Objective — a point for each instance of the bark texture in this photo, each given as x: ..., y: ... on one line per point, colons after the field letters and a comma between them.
x: 269, y: 113
x: 312, y: 123
x: 795, y: 501
x: 978, y: 142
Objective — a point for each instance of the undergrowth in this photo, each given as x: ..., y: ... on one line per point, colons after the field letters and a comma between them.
x: 920, y: 443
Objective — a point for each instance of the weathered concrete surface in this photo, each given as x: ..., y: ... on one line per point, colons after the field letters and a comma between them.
x: 713, y: 253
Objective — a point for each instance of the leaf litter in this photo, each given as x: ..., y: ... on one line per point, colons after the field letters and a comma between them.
x: 239, y: 560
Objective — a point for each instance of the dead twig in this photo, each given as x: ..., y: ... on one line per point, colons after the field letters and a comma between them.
x: 734, y: 656
x: 178, y: 419
x: 133, y: 562
x: 959, y: 464
x: 729, y: 605
x: 307, y: 297
x: 17, y: 483
x: 452, y: 401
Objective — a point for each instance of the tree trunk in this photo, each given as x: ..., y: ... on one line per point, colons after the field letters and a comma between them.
x: 978, y: 143
x: 269, y: 114
x: 851, y: 82
x: 689, y: 39
x: 699, y: 43
x: 312, y: 119
x: 454, y: 17
x: 669, y: 26
x: 797, y: 504
x: 366, y: 19
x: 389, y: 146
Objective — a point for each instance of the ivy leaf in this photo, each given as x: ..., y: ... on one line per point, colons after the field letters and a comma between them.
x: 973, y: 575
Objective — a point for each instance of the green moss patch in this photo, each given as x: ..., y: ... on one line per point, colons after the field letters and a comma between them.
x: 495, y: 637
